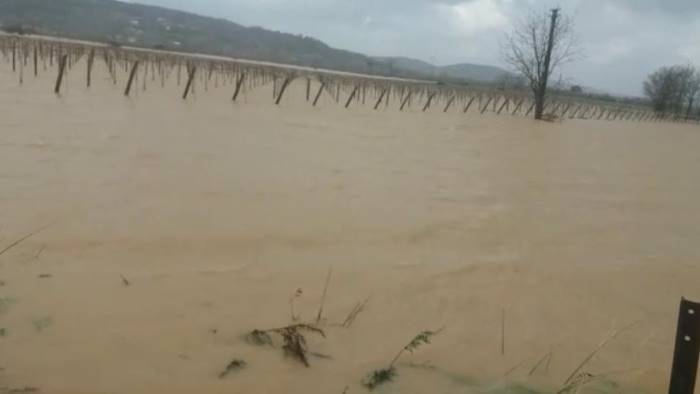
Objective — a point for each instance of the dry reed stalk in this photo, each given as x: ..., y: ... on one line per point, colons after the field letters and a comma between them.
x: 600, y: 347
x: 350, y: 319
x: 503, y: 333
x: 547, y: 357
x: 319, y: 316
x: 19, y: 241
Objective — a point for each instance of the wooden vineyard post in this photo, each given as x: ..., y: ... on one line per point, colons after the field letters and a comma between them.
x: 90, y: 61
x: 405, y: 100
x: 449, y: 103
x: 61, y: 69
x: 687, y: 350
x: 190, y: 78
x: 518, y: 106
x: 239, y: 83
x: 502, y: 106
x: 36, y: 60
x: 308, y: 89
x: 568, y: 107
x: 318, y: 94
x: 487, y: 105
x: 285, y: 84
x: 573, y: 114
x: 469, y: 104
x: 428, y: 102
x: 352, y: 96
x: 379, y: 101
x: 529, y: 110
x: 131, y: 78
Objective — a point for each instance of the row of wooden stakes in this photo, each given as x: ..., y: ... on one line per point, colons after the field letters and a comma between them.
x: 248, y: 75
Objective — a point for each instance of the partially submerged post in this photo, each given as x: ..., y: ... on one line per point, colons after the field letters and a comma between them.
x: 239, y: 83
x: 14, y: 56
x: 352, y: 96
x: 449, y: 103
x: 190, y: 78
x: 469, y: 104
x: 518, y: 106
x: 687, y: 350
x: 529, y: 110
x: 285, y: 84
x: 318, y: 94
x: 90, y: 62
x: 487, y: 105
x: 428, y: 102
x: 131, y: 78
x: 61, y: 70
x: 405, y: 100
x: 502, y: 106
x: 36, y: 60
x: 379, y: 101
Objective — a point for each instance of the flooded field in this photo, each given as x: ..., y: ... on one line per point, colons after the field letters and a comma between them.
x: 170, y: 229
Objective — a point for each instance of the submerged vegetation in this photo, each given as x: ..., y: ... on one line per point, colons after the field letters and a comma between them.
x: 385, y: 375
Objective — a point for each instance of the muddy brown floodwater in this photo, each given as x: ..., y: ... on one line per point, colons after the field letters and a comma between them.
x: 217, y: 212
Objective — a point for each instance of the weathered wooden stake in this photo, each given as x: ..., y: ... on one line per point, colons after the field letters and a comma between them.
x: 282, y: 89
x: 529, y: 110
x: 190, y: 78
x: 90, y: 62
x: 239, y: 83
x: 36, y: 60
x: 518, y: 106
x: 14, y: 56
x: 318, y: 94
x: 308, y: 89
x: 469, y: 104
x: 565, y: 111
x: 61, y: 69
x: 449, y: 103
x: 131, y: 78
x: 428, y: 102
x: 381, y: 97
x: 487, y: 105
x: 352, y: 96
x: 573, y: 114
x: 502, y: 106
x: 405, y: 100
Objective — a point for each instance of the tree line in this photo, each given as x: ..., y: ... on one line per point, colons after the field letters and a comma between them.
x: 674, y: 90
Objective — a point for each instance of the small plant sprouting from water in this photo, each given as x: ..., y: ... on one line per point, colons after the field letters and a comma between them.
x: 294, y: 341
x: 233, y: 366
x: 379, y: 377
x: 384, y: 375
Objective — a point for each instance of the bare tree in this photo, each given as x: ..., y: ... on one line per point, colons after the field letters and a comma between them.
x: 673, y: 89
x: 693, y: 91
x: 538, y: 45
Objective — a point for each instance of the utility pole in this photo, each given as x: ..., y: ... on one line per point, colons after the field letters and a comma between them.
x: 544, y: 78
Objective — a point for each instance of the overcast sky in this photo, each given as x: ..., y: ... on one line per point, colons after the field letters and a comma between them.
x: 622, y: 40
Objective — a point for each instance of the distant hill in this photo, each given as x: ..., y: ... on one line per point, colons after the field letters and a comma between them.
x: 475, y: 72
x: 462, y: 72
x: 155, y: 27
